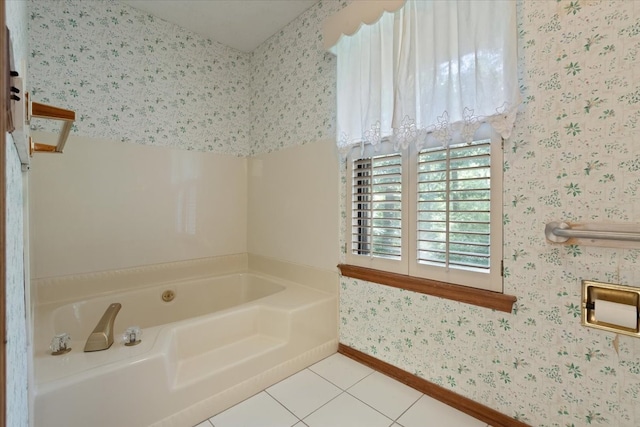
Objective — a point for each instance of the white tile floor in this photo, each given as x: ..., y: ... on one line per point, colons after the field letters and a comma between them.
x: 339, y: 392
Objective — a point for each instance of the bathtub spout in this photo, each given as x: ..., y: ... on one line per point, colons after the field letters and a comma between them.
x: 102, y: 336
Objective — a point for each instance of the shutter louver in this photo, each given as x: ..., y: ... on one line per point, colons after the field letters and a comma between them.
x: 377, y: 207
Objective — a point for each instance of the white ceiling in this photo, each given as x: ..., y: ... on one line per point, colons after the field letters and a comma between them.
x: 241, y: 24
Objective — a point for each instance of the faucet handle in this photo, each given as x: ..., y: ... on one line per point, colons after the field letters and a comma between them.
x: 60, y: 344
x: 132, y: 336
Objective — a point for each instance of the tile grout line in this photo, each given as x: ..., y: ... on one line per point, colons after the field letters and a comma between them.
x: 393, y: 421
x: 407, y: 410
x: 377, y: 410
x: 355, y: 397
x: 346, y: 391
x: 283, y: 405
x: 343, y: 389
x: 298, y: 418
x: 323, y: 405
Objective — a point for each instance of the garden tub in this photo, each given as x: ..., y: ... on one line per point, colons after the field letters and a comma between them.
x: 217, y: 341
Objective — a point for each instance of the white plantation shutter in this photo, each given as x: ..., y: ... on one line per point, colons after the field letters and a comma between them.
x: 377, y: 207
x: 454, y: 206
x: 434, y: 213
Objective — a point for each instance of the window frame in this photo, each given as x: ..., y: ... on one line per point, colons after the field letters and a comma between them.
x: 467, y: 286
x: 491, y: 281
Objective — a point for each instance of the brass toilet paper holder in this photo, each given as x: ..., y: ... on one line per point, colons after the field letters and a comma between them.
x: 626, y: 296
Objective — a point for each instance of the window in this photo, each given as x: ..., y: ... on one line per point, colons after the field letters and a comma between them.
x: 434, y: 213
x: 430, y: 75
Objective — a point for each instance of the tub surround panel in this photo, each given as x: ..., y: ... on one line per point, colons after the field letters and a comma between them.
x: 106, y: 205
x: 133, y: 77
x: 294, y: 205
x: 573, y: 157
x: 324, y: 280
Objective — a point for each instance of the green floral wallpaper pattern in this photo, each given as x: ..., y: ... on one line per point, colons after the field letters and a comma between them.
x: 137, y: 78
x: 17, y: 370
x: 574, y: 157
x: 293, y: 84
x: 133, y: 77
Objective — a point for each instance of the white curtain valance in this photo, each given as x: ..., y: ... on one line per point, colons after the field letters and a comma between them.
x: 351, y: 18
x: 430, y: 72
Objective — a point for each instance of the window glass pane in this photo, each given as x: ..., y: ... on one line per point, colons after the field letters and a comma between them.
x: 474, y: 205
x: 470, y: 238
x: 432, y: 206
x: 472, y: 184
x: 433, y: 226
x: 477, y: 227
x: 470, y: 195
x: 468, y: 261
x: 469, y: 216
x: 429, y: 196
x: 431, y: 216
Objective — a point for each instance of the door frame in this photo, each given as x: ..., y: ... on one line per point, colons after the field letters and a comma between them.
x: 4, y: 70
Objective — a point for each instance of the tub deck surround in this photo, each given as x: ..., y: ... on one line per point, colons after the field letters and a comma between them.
x: 190, y: 364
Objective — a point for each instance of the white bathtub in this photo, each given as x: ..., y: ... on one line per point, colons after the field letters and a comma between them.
x: 219, y: 341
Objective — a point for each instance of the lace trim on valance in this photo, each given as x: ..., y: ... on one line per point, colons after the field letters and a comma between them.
x: 440, y: 133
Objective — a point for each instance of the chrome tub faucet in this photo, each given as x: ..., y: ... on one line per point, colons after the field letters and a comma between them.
x: 102, y: 336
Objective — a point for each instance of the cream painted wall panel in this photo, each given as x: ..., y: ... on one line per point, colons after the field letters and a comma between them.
x: 294, y: 205
x: 107, y: 205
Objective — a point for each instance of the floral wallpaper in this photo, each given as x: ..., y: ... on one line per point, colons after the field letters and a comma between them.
x: 293, y: 84
x: 575, y: 157
x: 137, y: 78
x: 133, y: 77
x: 16, y: 318
x: 17, y: 376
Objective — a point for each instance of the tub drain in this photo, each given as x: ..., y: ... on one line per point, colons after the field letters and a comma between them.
x: 168, y: 296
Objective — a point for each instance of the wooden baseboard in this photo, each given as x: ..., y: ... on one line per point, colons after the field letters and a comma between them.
x: 461, y: 403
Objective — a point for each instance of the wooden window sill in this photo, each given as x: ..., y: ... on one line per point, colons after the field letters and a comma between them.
x: 480, y: 297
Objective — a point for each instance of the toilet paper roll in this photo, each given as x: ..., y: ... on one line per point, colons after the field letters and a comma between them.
x: 616, y: 313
